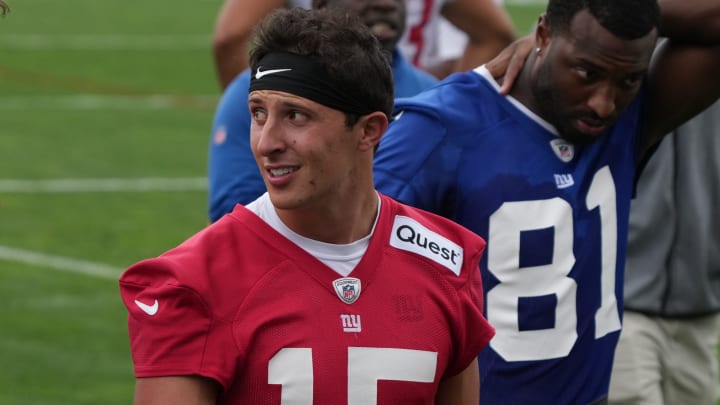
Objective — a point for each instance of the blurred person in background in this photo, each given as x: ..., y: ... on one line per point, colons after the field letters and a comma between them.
x: 315, y: 293
x: 458, y: 50
x: 667, y: 352
x: 486, y: 25
x: 4, y: 8
x: 233, y: 176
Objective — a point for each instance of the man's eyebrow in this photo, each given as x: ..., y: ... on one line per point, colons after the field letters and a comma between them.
x: 284, y: 103
x: 586, y: 62
x: 293, y: 104
x: 254, y: 99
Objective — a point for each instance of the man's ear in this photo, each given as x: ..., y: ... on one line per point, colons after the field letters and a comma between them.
x: 542, y: 32
x: 373, y: 127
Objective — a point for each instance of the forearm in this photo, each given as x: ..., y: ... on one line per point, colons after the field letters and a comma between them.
x: 694, y: 21
x: 180, y: 390
x: 233, y: 30
x: 487, y: 25
x: 462, y: 389
x: 231, y: 58
x: 478, y: 53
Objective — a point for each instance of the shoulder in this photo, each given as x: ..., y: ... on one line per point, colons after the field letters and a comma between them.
x: 462, y: 104
x: 454, y: 99
x: 215, y: 252
x: 433, y: 237
x: 441, y: 225
x: 200, y: 277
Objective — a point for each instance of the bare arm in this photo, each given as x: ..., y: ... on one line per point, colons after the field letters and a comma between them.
x: 462, y: 389
x: 233, y: 28
x: 487, y: 25
x: 178, y: 390
x: 683, y: 78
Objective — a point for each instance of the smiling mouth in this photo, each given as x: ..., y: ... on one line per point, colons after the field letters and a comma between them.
x: 282, y: 171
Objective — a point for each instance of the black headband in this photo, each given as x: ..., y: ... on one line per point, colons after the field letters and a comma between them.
x: 304, y: 77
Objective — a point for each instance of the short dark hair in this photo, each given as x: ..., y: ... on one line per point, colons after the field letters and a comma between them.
x: 627, y: 19
x: 337, y: 40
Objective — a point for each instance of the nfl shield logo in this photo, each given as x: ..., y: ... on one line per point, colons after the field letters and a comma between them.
x: 563, y: 149
x: 220, y: 136
x: 347, y: 289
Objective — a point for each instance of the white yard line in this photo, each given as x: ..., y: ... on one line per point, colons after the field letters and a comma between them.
x: 67, y: 264
x: 103, y: 185
x: 86, y: 185
x: 104, y: 102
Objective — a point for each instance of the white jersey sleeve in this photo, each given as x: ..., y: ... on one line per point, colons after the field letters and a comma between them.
x: 420, y: 42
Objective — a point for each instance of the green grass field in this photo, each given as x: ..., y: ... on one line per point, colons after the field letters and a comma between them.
x: 121, y: 91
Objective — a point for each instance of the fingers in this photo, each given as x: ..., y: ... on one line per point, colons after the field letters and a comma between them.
x: 506, y: 66
x: 499, y: 65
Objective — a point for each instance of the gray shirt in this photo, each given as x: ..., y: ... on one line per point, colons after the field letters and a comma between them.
x: 673, y: 260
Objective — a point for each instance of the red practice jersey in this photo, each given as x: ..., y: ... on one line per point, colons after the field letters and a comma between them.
x: 241, y: 304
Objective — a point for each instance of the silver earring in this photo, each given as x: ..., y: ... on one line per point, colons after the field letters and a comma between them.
x: 537, y: 49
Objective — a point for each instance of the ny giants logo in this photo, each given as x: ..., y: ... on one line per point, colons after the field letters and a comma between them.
x: 350, y: 323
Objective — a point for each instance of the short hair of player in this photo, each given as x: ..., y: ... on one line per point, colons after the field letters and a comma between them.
x: 626, y: 19
x: 344, y: 46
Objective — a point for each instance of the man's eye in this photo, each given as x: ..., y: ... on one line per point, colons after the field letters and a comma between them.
x: 585, y: 74
x: 258, y: 114
x: 297, y: 116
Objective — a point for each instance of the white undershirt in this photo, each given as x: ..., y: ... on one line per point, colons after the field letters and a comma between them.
x: 341, y: 258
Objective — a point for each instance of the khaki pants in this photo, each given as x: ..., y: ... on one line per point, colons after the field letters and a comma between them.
x: 662, y: 361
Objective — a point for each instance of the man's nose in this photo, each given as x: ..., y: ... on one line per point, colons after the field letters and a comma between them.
x: 270, y: 136
x: 602, y: 100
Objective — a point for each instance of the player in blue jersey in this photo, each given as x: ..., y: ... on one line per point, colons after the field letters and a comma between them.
x: 232, y: 173
x: 545, y: 175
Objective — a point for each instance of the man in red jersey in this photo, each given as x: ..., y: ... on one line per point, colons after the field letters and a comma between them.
x: 322, y: 291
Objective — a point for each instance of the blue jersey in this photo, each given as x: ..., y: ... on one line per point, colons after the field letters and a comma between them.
x: 233, y: 175
x: 555, y: 219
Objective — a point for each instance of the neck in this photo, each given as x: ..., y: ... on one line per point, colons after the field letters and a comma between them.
x: 341, y: 221
x: 522, y: 89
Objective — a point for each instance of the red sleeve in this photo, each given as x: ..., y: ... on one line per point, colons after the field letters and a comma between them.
x: 472, y: 331
x: 171, y: 325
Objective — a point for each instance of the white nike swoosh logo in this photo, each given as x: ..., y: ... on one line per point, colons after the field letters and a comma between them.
x: 398, y: 115
x: 259, y: 74
x: 148, y: 309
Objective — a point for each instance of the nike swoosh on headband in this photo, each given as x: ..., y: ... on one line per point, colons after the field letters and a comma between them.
x: 260, y: 73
